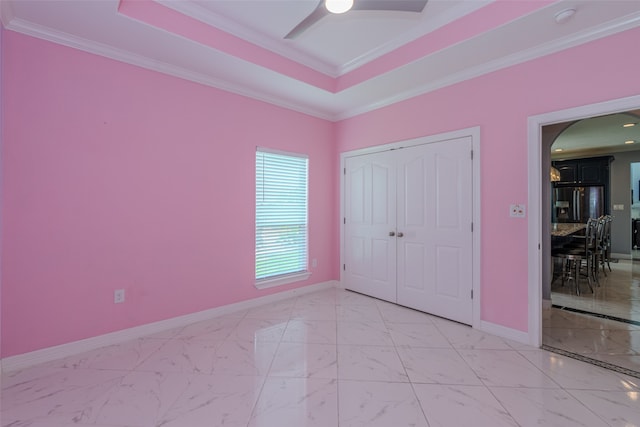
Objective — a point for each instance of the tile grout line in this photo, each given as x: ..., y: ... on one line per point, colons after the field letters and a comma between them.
x: 598, y: 315
x: 591, y: 361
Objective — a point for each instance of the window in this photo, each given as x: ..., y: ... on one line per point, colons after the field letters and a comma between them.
x: 281, y: 218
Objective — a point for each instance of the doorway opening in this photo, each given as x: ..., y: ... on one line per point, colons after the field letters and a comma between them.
x: 540, y: 265
x: 635, y: 211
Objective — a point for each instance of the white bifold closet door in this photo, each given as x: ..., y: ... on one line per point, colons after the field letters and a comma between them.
x: 407, y: 233
x: 370, y: 218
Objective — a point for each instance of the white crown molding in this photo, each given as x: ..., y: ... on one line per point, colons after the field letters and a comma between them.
x: 265, y: 41
x: 6, y: 12
x: 38, y: 31
x: 465, y: 8
x: 195, y: 11
x: 58, y: 37
x: 595, y: 33
x: 49, y: 354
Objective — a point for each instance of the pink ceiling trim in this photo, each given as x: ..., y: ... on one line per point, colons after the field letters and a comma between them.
x: 485, y: 19
x: 157, y: 15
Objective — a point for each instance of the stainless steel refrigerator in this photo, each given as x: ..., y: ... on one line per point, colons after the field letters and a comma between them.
x: 577, y: 204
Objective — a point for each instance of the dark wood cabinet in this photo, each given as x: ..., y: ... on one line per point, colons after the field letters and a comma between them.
x: 593, y: 172
x: 568, y: 171
x: 588, y: 171
x: 585, y: 172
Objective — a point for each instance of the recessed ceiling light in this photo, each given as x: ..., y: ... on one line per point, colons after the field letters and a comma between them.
x: 631, y: 141
x: 558, y: 149
x: 628, y: 125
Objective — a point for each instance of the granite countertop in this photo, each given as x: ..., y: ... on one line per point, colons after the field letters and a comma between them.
x: 565, y: 229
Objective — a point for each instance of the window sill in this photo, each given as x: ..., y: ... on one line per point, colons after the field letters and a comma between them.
x: 282, y: 280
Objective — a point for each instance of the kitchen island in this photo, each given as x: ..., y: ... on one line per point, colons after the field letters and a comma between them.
x: 563, y: 229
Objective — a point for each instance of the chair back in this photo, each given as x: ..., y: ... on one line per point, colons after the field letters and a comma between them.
x: 591, y: 234
x: 607, y: 231
x: 600, y: 232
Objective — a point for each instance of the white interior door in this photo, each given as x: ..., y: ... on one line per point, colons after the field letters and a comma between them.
x: 370, y: 216
x: 434, y: 243
x: 407, y: 232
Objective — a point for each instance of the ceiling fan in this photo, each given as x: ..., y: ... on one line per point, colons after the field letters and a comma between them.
x: 328, y: 7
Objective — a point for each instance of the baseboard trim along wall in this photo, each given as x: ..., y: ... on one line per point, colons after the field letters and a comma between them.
x: 504, y: 332
x: 621, y: 256
x: 65, y: 350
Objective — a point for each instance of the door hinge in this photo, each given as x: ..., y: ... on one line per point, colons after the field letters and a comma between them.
x: 344, y: 171
x: 471, y: 154
x: 344, y: 220
x: 472, y: 227
x: 344, y: 267
x: 471, y: 293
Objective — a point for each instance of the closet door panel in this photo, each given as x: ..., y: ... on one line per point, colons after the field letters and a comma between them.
x: 407, y: 231
x: 412, y: 266
x: 412, y: 206
x: 370, y: 252
x: 442, y: 194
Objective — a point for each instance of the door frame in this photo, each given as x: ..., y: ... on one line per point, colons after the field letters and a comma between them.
x: 474, y: 133
x: 535, y: 157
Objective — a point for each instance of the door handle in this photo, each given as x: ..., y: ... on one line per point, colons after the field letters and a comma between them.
x: 400, y: 234
x: 392, y: 233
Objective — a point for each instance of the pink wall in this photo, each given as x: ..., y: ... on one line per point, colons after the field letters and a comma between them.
x: 119, y: 177
x: 500, y: 104
x: 158, y: 15
x: 1, y: 186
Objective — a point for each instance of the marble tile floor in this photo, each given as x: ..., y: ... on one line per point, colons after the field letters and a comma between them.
x: 617, y: 295
x: 330, y: 359
x: 585, y: 336
x: 598, y: 338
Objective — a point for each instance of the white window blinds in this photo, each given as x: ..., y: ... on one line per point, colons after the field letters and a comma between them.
x: 281, y: 214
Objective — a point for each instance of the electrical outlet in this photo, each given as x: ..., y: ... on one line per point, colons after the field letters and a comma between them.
x: 118, y: 296
x: 517, y: 211
x: 314, y: 263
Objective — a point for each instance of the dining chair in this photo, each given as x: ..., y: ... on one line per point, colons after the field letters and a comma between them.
x: 607, y: 243
x: 574, y: 256
x: 598, y: 252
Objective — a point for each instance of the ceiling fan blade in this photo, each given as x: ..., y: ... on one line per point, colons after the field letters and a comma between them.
x: 318, y: 13
x: 392, y: 5
x: 395, y: 5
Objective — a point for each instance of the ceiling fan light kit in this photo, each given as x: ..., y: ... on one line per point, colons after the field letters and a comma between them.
x: 338, y: 6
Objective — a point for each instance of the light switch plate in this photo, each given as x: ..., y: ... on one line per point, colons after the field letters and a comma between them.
x: 517, y: 211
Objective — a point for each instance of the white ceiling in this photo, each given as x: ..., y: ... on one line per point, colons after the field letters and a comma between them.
x: 334, y: 47
x: 323, y: 46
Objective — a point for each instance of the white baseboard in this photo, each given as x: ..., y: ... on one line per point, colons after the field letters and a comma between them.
x: 504, y: 332
x: 621, y: 256
x: 65, y: 350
